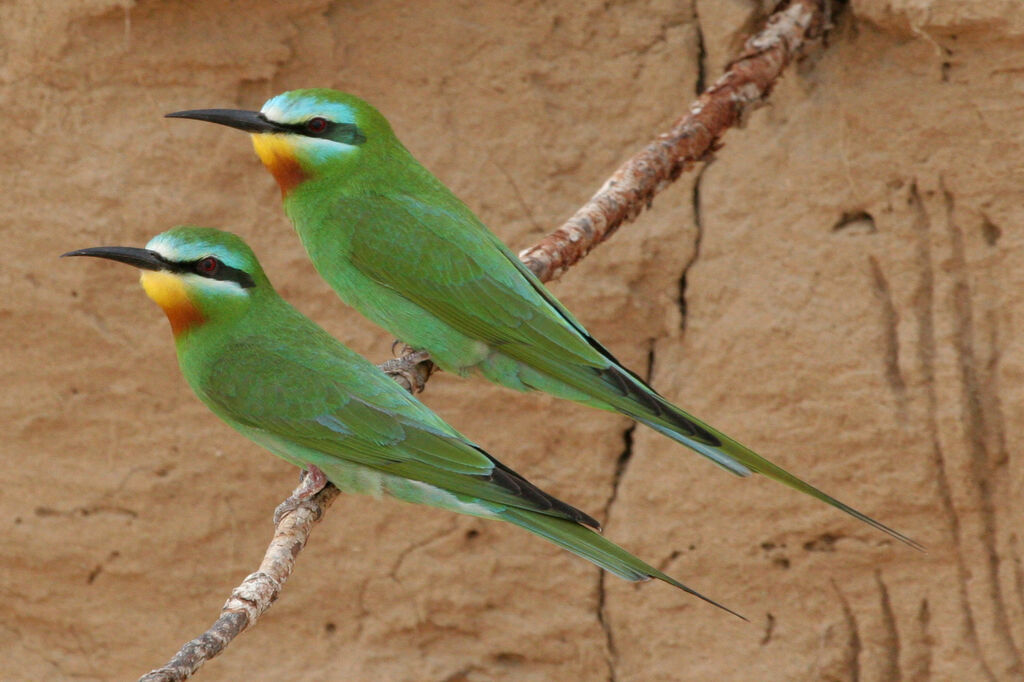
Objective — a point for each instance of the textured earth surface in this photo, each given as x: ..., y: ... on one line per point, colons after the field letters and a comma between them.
x: 840, y: 288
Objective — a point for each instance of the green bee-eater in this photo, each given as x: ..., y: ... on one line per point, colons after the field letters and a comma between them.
x: 399, y: 247
x: 282, y: 381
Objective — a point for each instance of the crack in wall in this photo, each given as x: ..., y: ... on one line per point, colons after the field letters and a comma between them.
x: 1018, y: 570
x: 611, y: 653
x: 973, y: 392
x: 891, y: 340
x: 853, y: 642
x: 701, y: 59
x: 927, y: 353
x: 702, y: 53
x: 697, y: 239
x: 919, y: 667
x: 769, y: 629
x: 621, y: 464
x: 992, y: 401
x: 890, y: 669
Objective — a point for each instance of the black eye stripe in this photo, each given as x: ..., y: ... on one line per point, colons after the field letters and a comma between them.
x: 346, y: 133
x: 226, y: 273
x: 223, y: 272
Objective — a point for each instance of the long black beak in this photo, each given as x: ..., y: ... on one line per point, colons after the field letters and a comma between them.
x: 249, y: 121
x: 140, y: 258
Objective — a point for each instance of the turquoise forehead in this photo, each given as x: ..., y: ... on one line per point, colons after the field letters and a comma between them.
x: 187, y: 243
x: 299, y: 105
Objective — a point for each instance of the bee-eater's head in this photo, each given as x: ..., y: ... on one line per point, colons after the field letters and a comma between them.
x: 304, y: 134
x: 196, y: 274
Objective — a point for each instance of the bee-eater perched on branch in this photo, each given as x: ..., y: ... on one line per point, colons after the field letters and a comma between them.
x: 283, y: 382
x: 398, y: 246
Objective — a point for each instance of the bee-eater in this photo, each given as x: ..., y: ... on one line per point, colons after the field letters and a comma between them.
x: 400, y: 248
x: 279, y: 379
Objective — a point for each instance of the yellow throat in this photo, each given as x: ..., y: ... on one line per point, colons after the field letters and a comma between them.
x: 278, y: 155
x: 168, y: 291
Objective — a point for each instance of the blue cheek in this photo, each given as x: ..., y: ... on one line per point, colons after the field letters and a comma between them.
x: 316, y: 152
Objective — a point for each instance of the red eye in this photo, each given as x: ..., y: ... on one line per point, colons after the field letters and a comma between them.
x: 208, y: 266
x: 316, y: 125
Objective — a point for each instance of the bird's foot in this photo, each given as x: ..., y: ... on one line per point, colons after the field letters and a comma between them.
x: 411, y: 369
x: 313, y: 481
x: 399, y: 348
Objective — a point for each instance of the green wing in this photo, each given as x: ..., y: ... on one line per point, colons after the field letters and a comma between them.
x: 482, y: 290
x: 478, y: 287
x: 322, y: 396
x: 474, y: 284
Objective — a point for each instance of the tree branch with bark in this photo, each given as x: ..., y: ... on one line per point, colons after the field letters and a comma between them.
x: 745, y: 85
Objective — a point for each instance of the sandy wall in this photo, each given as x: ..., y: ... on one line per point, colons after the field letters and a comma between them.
x: 852, y: 308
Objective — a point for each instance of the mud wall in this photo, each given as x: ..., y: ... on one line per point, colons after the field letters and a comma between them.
x: 840, y: 289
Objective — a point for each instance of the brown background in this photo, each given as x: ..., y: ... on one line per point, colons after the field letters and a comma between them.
x: 879, y: 356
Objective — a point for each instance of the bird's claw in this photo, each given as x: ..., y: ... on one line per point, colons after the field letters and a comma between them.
x: 411, y: 369
x: 406, y: 349
x: 313, y: 481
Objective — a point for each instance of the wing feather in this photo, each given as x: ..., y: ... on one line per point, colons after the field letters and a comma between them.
x: 325, y: 397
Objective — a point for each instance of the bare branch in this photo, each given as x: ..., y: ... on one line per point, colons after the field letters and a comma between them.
x: 746, y: 83
x: 744, y: 86
x: 257, y: 592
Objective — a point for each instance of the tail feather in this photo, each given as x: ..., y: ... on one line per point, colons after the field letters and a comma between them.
x: 654, y: 411
x: 615, y: 388
x: 595, y: 548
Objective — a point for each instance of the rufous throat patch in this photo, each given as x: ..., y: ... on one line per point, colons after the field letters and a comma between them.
x: 278, y: 156
x: 168, y: 291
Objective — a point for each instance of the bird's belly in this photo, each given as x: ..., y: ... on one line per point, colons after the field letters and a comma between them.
x: 358, y: 479
x: 353, y: 478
